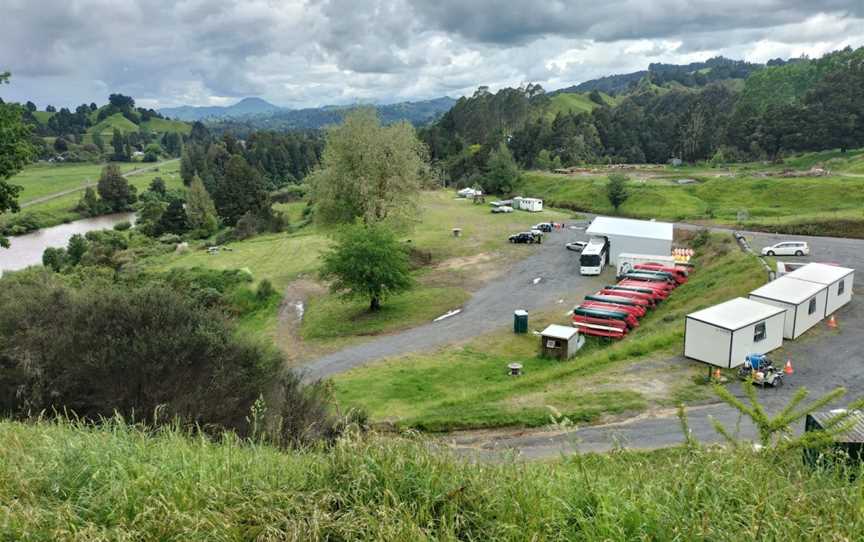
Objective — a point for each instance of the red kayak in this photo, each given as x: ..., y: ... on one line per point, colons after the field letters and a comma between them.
x: 631, y: 318
x: 609, y: 297
x: 661, y: 289
x: 598, y: 330
x: 647, y: 299
x: 678, y: 273
x: 624, y: 305
x: 620, y: 325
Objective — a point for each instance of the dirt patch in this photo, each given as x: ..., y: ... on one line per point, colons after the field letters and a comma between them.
x: 468, y: 272
x: 291, y: 312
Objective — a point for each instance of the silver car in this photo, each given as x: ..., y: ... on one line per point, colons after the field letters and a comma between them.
x: 787, y: 248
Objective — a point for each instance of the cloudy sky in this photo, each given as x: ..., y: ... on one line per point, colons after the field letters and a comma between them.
x: 301, y: 53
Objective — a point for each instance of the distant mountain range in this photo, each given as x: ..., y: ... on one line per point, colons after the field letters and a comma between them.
x: 246, y: 106
x: 261, y: 114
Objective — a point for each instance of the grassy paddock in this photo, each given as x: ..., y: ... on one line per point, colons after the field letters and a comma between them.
x: 60, y: 481
x: 466, y: 386
x: 61, y: 209
x: 41, y: 180
x: 719, y: 199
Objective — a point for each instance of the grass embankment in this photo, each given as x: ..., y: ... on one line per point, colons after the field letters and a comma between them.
x: 285, y: 257
x: 462, y: 387
x: 575, y: 102
x: 39, y: 181
x: 62, y: 482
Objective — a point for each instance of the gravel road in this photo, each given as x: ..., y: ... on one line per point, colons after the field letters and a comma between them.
x: 489, y: 308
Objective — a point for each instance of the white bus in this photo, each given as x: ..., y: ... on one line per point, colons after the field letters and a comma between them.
x: 594, y: 256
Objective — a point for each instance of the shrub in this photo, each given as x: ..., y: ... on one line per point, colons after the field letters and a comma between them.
x: 101, y: 349
x: 292, y: 192
x: 123, y: 226
x: 265, y: 290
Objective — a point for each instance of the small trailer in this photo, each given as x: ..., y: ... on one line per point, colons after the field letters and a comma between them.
x: 533, y: 205
x: 803, y: 301
x: 837, y: 279
x: 725, y: 334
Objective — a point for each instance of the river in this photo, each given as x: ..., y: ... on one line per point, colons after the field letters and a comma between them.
x: 26, y: 250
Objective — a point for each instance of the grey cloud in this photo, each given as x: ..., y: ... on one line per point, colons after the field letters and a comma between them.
x: 505, y: 22
x: 310, y: 52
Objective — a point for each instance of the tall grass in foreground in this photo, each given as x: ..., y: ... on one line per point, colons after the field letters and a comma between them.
x: 62, y: 481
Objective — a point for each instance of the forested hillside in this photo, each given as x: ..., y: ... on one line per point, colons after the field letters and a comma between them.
x: 782, y: 108
x: 116, y: 130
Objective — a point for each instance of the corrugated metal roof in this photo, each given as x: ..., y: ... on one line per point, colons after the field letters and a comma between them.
x: 736, y: 313
x: 820, y: 273
x: 855, y: 433
x: 605, y: 225
x: 559, y: 332
x: 789, y: 290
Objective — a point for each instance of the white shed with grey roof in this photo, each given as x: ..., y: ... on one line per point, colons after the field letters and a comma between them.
x: 723, y: 335
x: 803, y: 301
x: 837, y: 279
x: 634, y: 236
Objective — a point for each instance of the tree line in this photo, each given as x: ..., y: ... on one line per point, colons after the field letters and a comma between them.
x: 656, y: 124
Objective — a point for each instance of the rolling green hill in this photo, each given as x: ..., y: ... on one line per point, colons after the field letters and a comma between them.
x: 167, y: 126
x: 570, y: 102
x: 116, y: 121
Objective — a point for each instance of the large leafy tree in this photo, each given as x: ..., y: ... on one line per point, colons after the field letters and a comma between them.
x: 15, y: 151
x: 367, y: 262
x: 114, y: 189
x: 369, y: 171
x: 616, y: 190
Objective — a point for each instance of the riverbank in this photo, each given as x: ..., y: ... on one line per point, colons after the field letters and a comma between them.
x: 27, y: 249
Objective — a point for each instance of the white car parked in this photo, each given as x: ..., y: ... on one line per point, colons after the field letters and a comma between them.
x: 787, y: 248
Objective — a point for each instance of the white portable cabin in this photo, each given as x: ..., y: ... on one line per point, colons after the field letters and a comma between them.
x: 534, y: 205
x: 723, y: 335
x: 627, y: 261
x: 632, y: 236
x: 837, y: 279
x: 803, y: 301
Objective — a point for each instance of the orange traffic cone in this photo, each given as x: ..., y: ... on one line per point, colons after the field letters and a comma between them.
x: 717, y: 374
x: 832, y: 322
x: 788, y: 368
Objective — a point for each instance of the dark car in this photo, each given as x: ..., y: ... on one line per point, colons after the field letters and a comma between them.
x: 576, y: 246
x: 545, y: 227
x: 523, y: 237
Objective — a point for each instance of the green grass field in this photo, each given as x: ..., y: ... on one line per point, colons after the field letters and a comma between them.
x: 713, y: 198
x: 571, y: 102
x: 45, y: 180
x: 109, y: 124
x: 41, y: 180
x: 467, y: 386
x: 282, y: 258
x: 60, y: 481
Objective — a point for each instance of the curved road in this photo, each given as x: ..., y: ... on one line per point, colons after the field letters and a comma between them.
x: 822, y: 360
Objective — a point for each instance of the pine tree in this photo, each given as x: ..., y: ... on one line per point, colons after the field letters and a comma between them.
x: 200, y: 209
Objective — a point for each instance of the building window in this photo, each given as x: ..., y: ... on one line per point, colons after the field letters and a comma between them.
x: 552, y: 343
x: 759, y: 332
x: 841, y: 287
x: 812, y: 308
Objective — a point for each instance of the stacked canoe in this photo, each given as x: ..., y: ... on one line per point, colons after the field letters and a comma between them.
x: 615, y: 310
